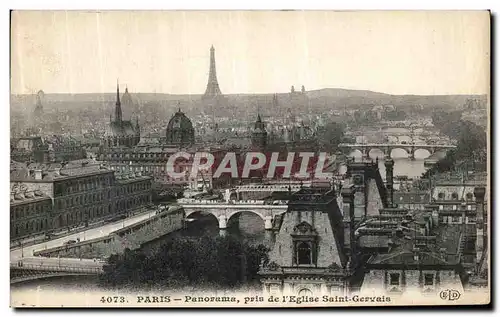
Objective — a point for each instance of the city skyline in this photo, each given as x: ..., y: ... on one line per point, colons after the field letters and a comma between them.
x: 269, y: 56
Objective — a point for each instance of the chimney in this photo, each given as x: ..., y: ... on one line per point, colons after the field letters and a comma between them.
x: 348, y: 215
x: 416, y: 254
x: 389, y: 173
x: 422, y: 228
x: 481, y: 221
x: 38, y: 174
x: 442, y: 252
x: 479, y: 193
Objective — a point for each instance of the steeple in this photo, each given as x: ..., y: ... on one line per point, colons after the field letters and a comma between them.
x: 213, y: 89
x: 259, y: 125
x: 118, y: 108
x: 259, y: 134
x: 137, y: 127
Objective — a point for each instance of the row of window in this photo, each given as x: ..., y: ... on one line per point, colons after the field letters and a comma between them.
x: 456, y: 219
x: 83, y: 184
x: 30, y: 210
x: 136, y: 155
x: 178, y: 168
x: 454, y: 196
x: 76, y: 217
x: 395, y: 279
x: 97, y: 197
x: 22, y: 228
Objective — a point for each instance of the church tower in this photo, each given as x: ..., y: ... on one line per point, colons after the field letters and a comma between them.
x: 118, y: 107
x: 259, y: 134
x: 213, y: 89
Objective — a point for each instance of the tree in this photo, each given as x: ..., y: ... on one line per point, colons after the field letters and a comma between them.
x: 471, y: 143
x: 216, y: 261
x: 331, y: 135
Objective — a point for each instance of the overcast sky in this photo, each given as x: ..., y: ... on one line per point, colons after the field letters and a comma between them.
x: 256, y: 52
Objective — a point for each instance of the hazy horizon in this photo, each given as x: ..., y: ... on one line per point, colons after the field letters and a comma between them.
x: 257, y: 52
x: 122, y: 90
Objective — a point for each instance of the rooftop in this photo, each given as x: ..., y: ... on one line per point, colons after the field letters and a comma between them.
x: 53, y: 171
x: 17, y: 197
x: 316, y: 195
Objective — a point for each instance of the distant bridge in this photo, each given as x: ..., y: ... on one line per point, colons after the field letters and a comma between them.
x: 387, y: 148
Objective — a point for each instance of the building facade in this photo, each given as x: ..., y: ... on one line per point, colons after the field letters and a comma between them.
x: 30, y: 213
x: 82, y: 192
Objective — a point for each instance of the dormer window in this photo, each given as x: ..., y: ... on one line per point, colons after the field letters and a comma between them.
x: 304, y: 253
x: 304, y: 239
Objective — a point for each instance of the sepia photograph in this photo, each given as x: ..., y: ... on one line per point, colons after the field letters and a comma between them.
x: 245, y: 159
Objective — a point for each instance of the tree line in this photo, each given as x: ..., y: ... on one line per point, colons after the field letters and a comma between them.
x: 202, y: 261
x: 471, y: 143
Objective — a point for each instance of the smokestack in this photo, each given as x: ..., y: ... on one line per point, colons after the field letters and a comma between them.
x: 389, y: 173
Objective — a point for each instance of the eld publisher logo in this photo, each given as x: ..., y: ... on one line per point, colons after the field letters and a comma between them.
x: 449, y: 294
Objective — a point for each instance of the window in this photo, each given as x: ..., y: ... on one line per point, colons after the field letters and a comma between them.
x: 441, y: 195
x: 305, y: 292
x: 468, y: 196
x: 394, y: 279
x: 454, y: 196
x: 428, y: 279
x: 303, y: 253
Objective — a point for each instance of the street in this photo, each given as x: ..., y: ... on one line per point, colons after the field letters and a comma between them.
x: 93, y: 233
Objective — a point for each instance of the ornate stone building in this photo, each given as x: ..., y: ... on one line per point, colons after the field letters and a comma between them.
x: 308, y: 256
x: 121, y: 132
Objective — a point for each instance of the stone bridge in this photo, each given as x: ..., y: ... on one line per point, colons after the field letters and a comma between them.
x: 388, y: 147
x: 28, y: 272
x: 224, y: 210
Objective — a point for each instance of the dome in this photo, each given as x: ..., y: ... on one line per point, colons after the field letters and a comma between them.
x: 180, y: 129
x: 127, y: 99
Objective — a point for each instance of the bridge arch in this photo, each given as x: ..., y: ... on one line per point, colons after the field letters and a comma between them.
x: 235, y: 212
x: 379, y: 149
x: 403, y: 148
x: 193, y: 212
x: 355, y: 152
x: 422, y: 152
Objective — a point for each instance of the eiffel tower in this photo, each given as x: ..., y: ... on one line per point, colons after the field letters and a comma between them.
x: 213, y: 89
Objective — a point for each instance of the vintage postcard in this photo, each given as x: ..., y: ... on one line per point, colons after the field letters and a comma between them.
x: 249, y: 158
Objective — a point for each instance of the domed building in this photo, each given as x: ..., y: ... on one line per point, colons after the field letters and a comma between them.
x: 180, y: 130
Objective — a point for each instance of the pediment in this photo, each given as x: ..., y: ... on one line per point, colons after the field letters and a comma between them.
x: 305, y: 229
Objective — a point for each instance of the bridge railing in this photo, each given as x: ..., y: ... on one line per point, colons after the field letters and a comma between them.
x: 57, y: 268
x: 234, y: 202
x: 267, y: 187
